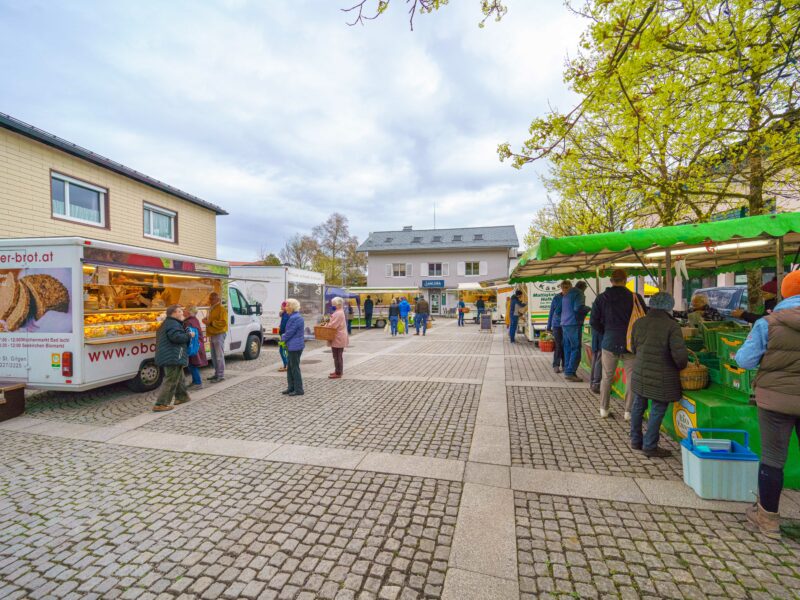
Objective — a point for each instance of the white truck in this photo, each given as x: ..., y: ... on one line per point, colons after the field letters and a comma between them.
x: 271, y: 285
x: 77, y: 313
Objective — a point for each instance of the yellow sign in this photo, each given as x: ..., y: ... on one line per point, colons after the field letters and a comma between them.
x: 55, y: 360
x: 684, y: 416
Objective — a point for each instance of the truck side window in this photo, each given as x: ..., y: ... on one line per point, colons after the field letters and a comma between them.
x: 238, y: 304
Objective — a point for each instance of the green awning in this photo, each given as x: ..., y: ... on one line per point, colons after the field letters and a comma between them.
x: 715, y: 247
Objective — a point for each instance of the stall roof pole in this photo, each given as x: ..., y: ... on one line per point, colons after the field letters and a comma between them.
x: 779, y: 266
x: 668, y: 274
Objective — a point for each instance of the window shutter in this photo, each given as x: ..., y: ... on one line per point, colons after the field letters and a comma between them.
x: 484, y: 267
x: 462, y: 269
x: 409, y: 269
x: 445, y: 269
x: 423, y: 270
x: 389, y: 270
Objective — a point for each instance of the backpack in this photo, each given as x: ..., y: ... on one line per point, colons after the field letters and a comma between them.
x: 194, y: 343
x: 637, y: 312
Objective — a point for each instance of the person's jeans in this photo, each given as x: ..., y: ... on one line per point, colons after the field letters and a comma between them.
x: 218, y: 354
x: 572, y: 348
x: 512, y: 327
x: 393, y: 324
x: 558, y: 355
x: 405, y: 322
x: 368, y: 317
x: 338, y: 360
x: 349, y: 326
x: 480, y: 312
x: 421, y: 321
x: 460, y: 319
x: 195, y: 372
x: 284, y: 355
x: 173, y: 386
x: 657, y: 411
x: 609, y: 361
x: 597, y: 359
x: 293, y: 377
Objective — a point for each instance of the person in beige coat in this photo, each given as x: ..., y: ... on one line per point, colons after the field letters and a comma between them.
x: 340, y: 341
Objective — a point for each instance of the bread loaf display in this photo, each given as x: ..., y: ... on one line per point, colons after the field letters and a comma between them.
x: 30, y: 297
x: 48, y: 293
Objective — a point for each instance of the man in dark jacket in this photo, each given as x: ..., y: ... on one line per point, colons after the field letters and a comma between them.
x: 773, y: 347
x: 516, y: 309
x: 554, y: 325
x: 172, y: 342
x: 368, y: 307
x: 573, y: 312
x: 611, y: 313
x: 661, y: 354
x: 421, y: 313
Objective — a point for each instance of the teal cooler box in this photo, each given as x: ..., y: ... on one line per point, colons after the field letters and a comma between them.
x: 719, y: 469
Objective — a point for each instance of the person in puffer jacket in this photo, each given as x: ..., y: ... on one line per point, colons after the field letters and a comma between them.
x: 172, y: 354
x: 659, y: 356
x: 773, y: 347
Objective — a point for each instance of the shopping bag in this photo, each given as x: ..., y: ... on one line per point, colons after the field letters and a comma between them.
x: 401, y: 326
x: 388, y: 327
x: 194, y: 341
x: 637, y: 313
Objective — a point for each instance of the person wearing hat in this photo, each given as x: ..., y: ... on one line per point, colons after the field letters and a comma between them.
x: 773, y: 347
x: 769, y: 293
x: 701, y: 311
x: 660, y: 354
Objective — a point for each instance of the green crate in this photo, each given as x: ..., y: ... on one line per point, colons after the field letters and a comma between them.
x: 715, y: 375
x: 709, y: 359
x: 736, y: 378
x: 709, y: 330
x: 695, y: 343
x: 728, y: 344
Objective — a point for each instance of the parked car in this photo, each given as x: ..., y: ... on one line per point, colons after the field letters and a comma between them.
x: 725, y: 298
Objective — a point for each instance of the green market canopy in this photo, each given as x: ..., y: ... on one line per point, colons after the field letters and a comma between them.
x: 717, y: 247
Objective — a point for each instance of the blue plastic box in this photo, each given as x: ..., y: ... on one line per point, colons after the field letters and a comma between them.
x: 719, y: 469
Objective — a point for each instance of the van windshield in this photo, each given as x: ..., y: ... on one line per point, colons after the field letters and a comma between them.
x: 721, y: 298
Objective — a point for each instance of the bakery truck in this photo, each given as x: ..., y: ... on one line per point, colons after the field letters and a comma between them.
x: 77, y: 313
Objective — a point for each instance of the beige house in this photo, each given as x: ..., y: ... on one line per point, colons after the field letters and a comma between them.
x: 50, y: 187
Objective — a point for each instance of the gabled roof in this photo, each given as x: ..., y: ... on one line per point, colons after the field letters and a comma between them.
x: 34, y: 133
x: 501, y: 236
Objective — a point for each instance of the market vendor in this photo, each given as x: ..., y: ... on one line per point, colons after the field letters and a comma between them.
x: 769, y: 292
x: 773, y: 347
x: 701, y: 311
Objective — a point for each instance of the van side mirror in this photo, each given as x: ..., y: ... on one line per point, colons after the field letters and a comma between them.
x: 254, y: 309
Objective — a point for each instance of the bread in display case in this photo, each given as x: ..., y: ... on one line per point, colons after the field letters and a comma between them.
x: 122, y: 303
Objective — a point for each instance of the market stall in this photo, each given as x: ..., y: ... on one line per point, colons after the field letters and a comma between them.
x: 381, y: 298
x: 683, y: 251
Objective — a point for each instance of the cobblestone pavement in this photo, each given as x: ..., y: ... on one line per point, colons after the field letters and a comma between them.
x: 424, y: 419
x: 574, y: 547
x: 443, y: 502
x: 560, y: 430
x: 97, y: 521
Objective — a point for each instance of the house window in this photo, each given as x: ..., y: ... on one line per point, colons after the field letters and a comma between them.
x: 388, y: 240
x: 416, y: 240
x: 437, y: 238
x: 478, y: 237
x: 435, y: 269
x: 78, y: 201
x: 398, y: 269
x: 456, y: 238
x: 159, y: 223
x: 472, y: 268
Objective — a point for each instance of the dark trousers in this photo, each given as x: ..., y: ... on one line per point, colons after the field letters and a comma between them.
x: 460, y: 319
x: 368, y: 317
x: 597, y: 358
x: 349, y: 326
x: 421, y: 320
x: 338, y: 360
x: 657, y: 411
x: 558, y: 355
x: 293, y: 377
x: 284, y: 354
x: 173, y: 386
x: 512, y: 327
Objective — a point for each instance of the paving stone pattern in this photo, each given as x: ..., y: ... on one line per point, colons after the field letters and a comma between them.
x: 425, y: 346
x: 522, y: 347
x: 420, y: 418
x: 580, y: 548
x: 86, y: 520
x: 560, y: 430
x: 445, y: 367
x: 533, y: 367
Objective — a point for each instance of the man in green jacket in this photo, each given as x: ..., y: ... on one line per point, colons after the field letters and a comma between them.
x: 172, y: 342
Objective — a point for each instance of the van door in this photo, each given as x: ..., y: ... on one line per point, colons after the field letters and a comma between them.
x: 239, y: 321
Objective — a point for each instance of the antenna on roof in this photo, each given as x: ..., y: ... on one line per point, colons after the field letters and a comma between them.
x: 434, y: 214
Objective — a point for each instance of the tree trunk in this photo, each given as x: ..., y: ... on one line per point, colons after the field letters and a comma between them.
x: 756, y: 206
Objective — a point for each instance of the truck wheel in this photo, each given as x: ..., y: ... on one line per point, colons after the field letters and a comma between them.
x: 148, y: 378
x: 252, y: 348
x: 380, y: 323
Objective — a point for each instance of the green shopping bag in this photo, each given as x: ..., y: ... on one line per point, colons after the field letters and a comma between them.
x: 401, y: 326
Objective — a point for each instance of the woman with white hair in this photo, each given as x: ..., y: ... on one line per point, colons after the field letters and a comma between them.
x: 294, y: 337
x: 339, y: 342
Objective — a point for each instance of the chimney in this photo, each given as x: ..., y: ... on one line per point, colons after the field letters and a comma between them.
x: 407, y: 227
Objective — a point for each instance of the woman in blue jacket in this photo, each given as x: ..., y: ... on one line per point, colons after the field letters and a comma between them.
x: 284, y: 315
x: 294, y: 337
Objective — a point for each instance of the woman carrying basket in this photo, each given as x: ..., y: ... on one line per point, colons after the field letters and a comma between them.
x: 337, y: 345
x: 657, y: 343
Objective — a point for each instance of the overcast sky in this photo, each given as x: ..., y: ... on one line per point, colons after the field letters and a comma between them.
x: 281, y: 113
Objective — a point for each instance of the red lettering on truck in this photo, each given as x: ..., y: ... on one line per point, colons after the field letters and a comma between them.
x: 113, y: 353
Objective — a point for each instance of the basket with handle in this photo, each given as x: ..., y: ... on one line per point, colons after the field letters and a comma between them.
x: 695, y: 375
x: 324, y: 333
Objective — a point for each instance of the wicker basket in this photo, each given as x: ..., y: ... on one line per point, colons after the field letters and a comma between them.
x: 547, y: 345
x: 695, y: 375
x: 324, y: 333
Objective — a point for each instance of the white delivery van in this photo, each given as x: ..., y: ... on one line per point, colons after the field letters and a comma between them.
x: 271, y: 285
x: 77, y: 314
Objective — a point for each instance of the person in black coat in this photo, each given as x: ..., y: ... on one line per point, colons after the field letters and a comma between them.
x: 661, y: 354
x: 172, y: 345
x: 368, y: 307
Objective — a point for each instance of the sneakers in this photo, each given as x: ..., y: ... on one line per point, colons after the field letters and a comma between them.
x: 767, y: 523
x: 636, y: 446
x: 181, y: 401
x: 216, y: 379
x: 296, y: 393
x: 627, y: 416
x: 657, y: 452
x: 194, y: 386
x: 573, y: 378
x: 283, y: 369
x: 162, y: 407
x: 287, y: 392
x: 603, y: 413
